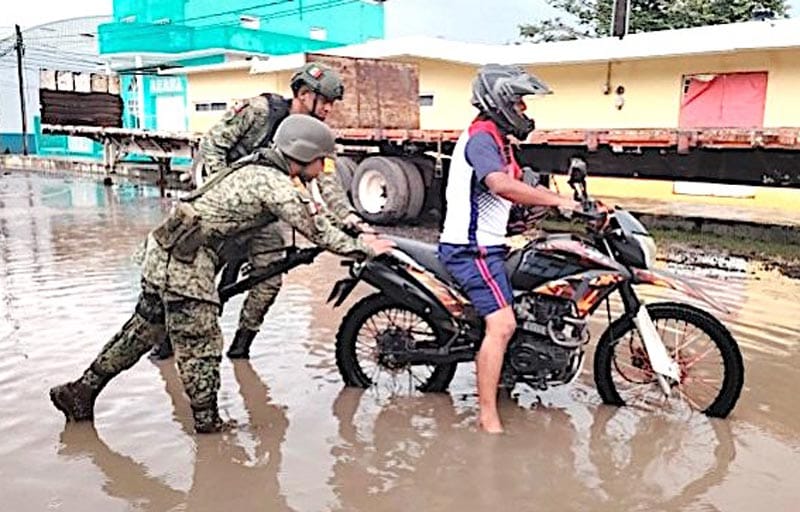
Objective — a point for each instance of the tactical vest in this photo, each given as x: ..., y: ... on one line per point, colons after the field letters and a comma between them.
x: 278, y: 111
x: 182, y: 233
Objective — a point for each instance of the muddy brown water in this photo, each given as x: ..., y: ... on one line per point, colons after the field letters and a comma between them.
x: 304, y: 442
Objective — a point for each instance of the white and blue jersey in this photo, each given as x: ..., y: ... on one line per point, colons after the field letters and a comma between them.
x: 472, y: 243
x: 475, y: 216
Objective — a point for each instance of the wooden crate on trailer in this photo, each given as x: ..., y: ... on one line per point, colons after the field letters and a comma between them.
x: 379, y: 94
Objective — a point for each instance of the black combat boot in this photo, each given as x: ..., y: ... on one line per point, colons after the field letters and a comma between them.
x: 240, y: 348
x: 76, y: 399
x: 207, y: 421
x: 162, y: 351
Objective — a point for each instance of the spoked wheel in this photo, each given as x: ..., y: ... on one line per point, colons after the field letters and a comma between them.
x: 373, y: 329
x: 711, y: 367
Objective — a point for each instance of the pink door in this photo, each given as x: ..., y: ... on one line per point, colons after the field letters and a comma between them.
x: 734, y: 100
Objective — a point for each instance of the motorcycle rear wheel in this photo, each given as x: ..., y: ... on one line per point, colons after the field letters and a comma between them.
x: 358, y: 354
x: 711, y: 367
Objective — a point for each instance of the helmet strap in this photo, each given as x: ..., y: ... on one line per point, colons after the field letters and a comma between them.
x: 313, y: 112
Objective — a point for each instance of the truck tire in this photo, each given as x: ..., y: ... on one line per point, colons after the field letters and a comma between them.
x: 345, y: 168
x: 380, y: 190
x: 425, y: 167
x: 416, y: 188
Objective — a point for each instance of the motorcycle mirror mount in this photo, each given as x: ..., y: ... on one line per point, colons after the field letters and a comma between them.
x: 577, y: 178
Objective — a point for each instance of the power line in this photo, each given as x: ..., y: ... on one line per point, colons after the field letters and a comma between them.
x: 89, y: 59
x: 40, y: 62
x: 236, y: 11
x: 41, y: 55
x: 155, y: 28
x: 184, y: 21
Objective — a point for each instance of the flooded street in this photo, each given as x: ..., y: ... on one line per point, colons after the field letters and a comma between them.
x: 305, y: 443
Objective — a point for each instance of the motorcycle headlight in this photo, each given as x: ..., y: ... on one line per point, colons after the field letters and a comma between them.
x: 648, y: 246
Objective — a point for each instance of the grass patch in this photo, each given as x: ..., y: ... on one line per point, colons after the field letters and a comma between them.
x: 783, y: 256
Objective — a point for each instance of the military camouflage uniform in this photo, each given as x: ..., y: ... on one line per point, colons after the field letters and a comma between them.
x: 182, y: 296
x: 244, y: 129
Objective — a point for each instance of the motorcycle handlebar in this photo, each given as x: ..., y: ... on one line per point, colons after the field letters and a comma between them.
x: 596, y: 218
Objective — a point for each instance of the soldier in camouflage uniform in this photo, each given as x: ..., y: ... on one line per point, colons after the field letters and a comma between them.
x: 183, y: 256
x: 242, y: 130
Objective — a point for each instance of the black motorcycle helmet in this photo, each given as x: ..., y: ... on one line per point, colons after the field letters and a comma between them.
x: 496, y: 91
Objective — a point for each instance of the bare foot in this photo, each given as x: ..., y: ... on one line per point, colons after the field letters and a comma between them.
x: 491, y: 425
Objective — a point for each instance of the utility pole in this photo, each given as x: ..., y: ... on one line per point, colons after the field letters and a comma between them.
x: 620, y: 18
x: 20, y: 49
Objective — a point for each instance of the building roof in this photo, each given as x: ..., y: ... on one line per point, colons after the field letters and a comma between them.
x: 167, y: 63
x: 715, y: 39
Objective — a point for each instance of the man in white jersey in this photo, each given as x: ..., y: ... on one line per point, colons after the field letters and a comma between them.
x: 484, y: 181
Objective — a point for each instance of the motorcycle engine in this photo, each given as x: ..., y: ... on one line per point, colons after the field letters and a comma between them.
x: 547, y: 348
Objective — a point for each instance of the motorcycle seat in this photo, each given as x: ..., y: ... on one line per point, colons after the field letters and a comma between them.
x: 426, y: 255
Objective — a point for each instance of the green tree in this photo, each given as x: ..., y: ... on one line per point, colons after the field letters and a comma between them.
x: 592, y: 18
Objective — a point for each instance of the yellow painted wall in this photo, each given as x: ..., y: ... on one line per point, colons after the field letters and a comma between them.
x: 451, y: 86
x: 763, y: 203
x: 228, y: 86
x: 653, y: 90
x: 652, y: 97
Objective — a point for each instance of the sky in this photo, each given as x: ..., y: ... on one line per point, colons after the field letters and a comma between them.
x: 30, y: 13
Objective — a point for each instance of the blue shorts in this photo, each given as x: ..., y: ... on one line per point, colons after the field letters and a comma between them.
x: 481, y: 273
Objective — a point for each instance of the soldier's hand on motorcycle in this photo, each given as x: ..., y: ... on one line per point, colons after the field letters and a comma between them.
x: 358, y: 224
x: 377, y: 244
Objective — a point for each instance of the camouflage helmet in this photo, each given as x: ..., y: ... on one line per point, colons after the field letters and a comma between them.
x: 304, y: 138
x: 320, y: 79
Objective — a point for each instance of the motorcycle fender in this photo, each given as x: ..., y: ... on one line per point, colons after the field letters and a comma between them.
x: 668, y: 280
x: 404, y: 289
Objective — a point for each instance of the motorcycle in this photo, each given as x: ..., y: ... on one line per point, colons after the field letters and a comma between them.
x: 420, y: 325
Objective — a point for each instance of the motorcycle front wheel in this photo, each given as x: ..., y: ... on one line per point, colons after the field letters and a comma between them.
x: 376, y: 324
x: 711, y: 367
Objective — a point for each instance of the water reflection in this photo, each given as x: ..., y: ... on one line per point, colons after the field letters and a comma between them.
x: 656, y: 462
x: 424, y: 453
x: 124, y: 478
x: 303, y: 442
x: 238, y: 470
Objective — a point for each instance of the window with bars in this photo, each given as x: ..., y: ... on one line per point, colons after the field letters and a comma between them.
x: 132, y: 103
x: 214, y: 106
